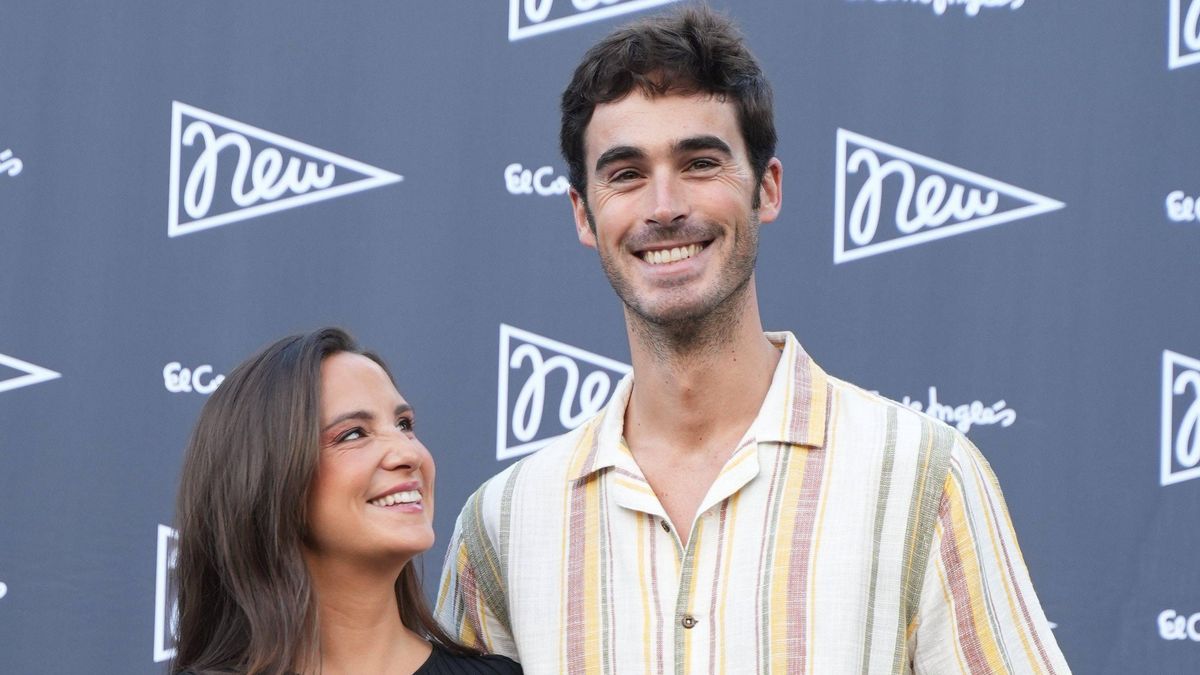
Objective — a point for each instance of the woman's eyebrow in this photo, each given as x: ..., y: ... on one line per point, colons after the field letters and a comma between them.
x: 364, y: 415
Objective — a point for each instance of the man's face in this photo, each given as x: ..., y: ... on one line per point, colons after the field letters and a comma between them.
x: 669, y: 195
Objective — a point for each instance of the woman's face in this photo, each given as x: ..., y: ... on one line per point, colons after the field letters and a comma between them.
x: 372, y: 496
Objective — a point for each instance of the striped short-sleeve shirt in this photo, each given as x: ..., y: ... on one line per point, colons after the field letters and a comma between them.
x: 845, y: 534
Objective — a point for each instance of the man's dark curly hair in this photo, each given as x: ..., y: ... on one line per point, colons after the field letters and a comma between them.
x: 692, y: 51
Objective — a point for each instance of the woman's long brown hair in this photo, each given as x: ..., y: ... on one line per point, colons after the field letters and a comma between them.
x: 246, y: 602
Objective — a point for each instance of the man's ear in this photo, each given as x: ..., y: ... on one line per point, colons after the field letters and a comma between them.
x: 583, y: 228
x: 770, y: 191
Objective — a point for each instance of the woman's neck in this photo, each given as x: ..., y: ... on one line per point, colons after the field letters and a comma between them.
x: 359, y: 624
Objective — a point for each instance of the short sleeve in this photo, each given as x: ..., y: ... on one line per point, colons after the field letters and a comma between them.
x: 978, y: 612
x: 472, y: 603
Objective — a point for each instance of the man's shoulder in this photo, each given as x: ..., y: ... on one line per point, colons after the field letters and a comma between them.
x: 869, y: 401
x: 545, y: 469
x: 529, y: 492
x: 861, y: 407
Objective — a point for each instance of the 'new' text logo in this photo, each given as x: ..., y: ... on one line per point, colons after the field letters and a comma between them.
x: 901, y: 199
x: 1184, y: 38
x: 262, y: 172
x: 527, y: 18
x: 579, y: 381
x: 166, y: 596
x: 32, y: 374
x: 1180, y: 418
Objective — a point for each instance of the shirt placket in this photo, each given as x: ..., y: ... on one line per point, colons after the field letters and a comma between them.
x: 687, y: 621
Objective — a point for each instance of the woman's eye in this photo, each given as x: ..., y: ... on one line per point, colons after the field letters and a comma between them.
x: 350, y: 435
x: 404, y: 424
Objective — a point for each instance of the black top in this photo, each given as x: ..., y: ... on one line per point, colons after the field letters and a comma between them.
x: 442, y: 662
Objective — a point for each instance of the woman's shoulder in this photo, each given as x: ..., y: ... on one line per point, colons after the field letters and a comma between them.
x: 444, y: 662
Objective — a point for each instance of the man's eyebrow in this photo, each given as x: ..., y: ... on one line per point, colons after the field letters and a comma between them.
x: 621, y: 153
x: 618, y: 153
x: 705, y: 142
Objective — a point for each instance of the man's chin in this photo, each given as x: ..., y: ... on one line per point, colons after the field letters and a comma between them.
x: 671, y: 315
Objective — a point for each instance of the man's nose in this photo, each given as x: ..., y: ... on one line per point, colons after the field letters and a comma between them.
x: 669, y: 202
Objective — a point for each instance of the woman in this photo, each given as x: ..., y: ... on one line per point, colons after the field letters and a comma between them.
x: 304, y: 497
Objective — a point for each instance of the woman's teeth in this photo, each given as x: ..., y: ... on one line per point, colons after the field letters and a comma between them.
x: 405, y: 497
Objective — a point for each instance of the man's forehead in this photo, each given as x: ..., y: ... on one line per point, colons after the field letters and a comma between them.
x: 661, y: 122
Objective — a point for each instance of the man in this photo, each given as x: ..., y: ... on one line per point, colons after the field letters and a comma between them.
x: 733, y: 508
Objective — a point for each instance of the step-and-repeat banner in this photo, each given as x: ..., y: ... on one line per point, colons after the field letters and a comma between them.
x: 991, y: 214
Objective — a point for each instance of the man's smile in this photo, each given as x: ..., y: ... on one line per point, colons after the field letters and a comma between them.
x: 670, y: 254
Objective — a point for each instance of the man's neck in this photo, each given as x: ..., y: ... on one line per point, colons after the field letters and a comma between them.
x: 692, y: 401
x: 690, y: 392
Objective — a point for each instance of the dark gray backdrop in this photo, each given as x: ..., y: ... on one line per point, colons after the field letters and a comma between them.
x: 1079, y: 315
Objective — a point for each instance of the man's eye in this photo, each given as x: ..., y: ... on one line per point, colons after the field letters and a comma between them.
x: 350, y: 435
x: 703, y: 164
x: 625, y: 175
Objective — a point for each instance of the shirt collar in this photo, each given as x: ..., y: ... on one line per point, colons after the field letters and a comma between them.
x: 793, y: 413
x: 797, y: 404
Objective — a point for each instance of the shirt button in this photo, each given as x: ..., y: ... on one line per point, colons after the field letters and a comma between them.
x: 688, y: 621
x: 665, y: 526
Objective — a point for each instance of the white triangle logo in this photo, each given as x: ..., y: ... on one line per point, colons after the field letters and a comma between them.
x: 33, y: 374
x: 1180, y: 418
x: 1183, y: 41
x: 526, y: 18
x: 166, y: 595
x: 901, y: 199
x: 560, y: 387
x: 249, y: 182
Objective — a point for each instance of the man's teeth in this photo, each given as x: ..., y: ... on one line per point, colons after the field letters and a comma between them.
x: 405, y: 497
x: 672, y: 255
